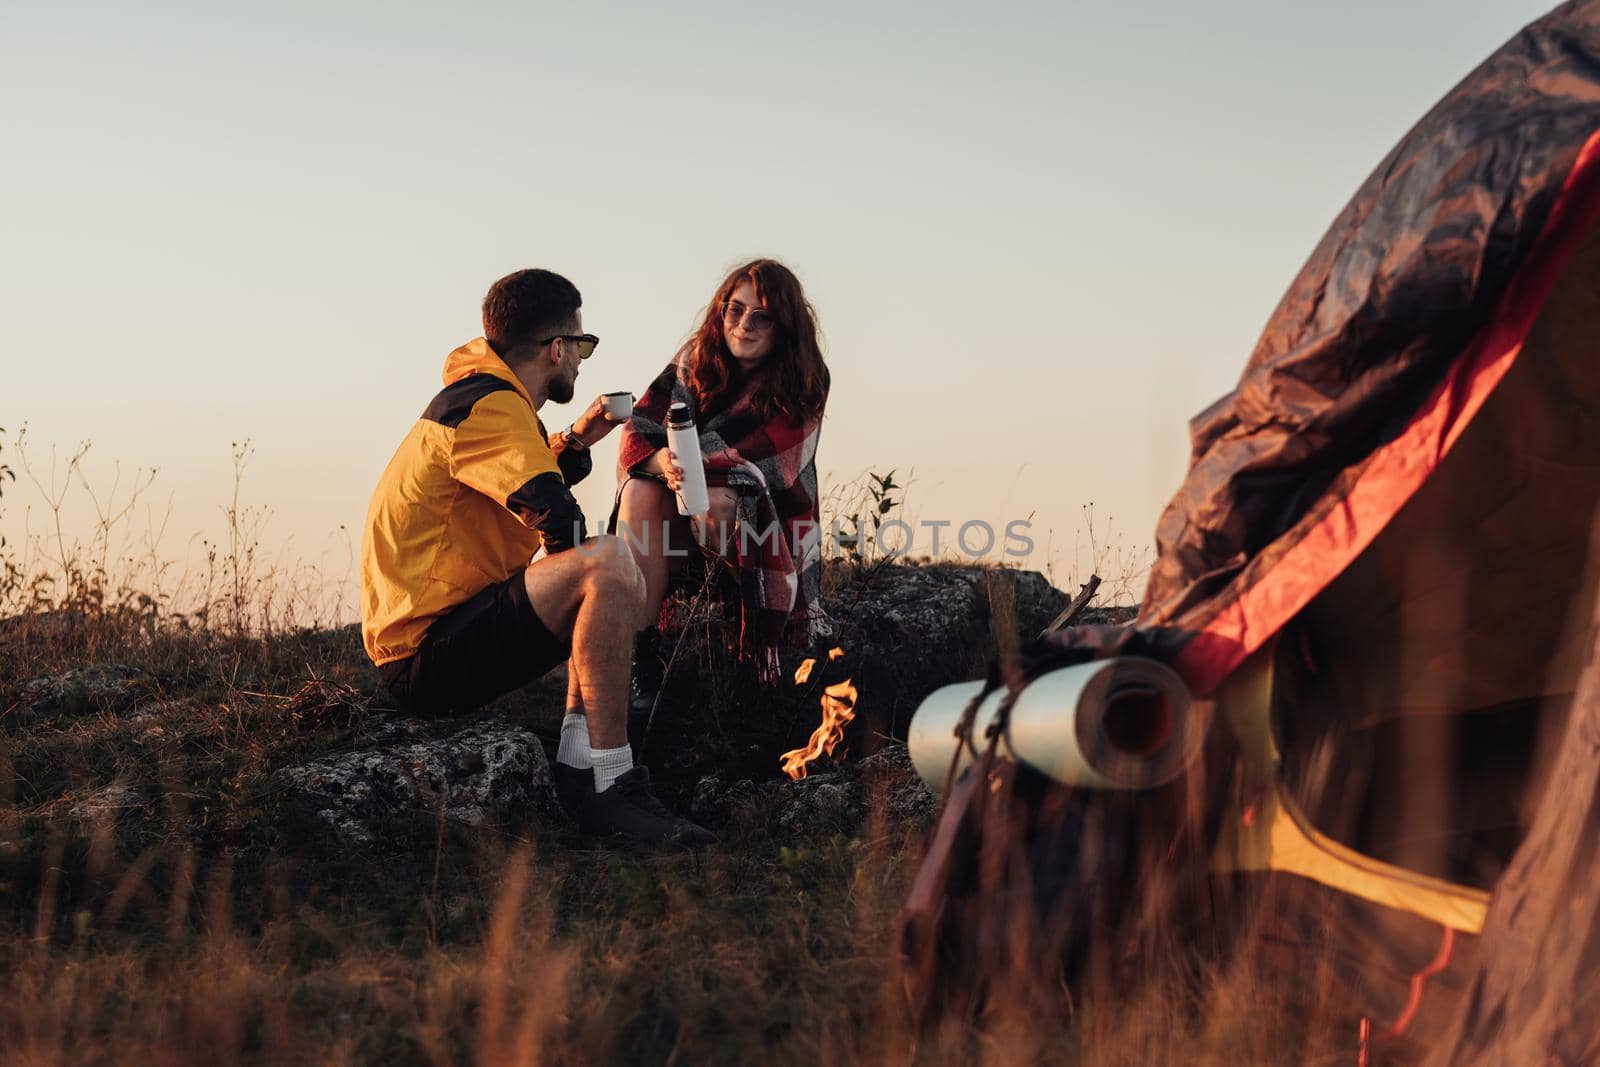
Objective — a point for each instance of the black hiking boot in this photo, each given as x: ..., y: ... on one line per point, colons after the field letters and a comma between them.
x: 574, y: 786
x: 630, y: 809
x: 644, y: 686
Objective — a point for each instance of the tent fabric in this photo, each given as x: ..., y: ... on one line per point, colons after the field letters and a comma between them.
x: 1435, y: 670
x: 1471, y: 597
x: 1410, y: 312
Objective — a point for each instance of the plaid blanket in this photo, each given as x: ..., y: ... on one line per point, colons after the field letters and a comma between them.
x: 777, y: 554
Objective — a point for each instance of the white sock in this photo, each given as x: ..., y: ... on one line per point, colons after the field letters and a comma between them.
x: 609, y: 765
x: 574, y: 750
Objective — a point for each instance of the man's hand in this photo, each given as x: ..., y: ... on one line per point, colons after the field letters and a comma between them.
x: 593, y: 425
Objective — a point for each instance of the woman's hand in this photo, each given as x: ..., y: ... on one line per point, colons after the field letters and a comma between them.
x: 665, y: 463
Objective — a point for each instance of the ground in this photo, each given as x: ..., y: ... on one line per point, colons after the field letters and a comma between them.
x: 221, y: 849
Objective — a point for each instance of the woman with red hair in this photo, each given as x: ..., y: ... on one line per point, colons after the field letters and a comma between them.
x: 755, y: 381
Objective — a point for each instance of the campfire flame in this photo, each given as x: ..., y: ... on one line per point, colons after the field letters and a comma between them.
x: 838, y: 708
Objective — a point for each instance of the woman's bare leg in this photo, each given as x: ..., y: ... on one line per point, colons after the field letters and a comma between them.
x: 718, y: 527
x: 649, y: 522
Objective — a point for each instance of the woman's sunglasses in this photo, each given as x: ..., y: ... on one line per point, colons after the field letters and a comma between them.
x: 755, y: 319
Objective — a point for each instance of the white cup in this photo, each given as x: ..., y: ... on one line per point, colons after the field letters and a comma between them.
x: 618, y: 405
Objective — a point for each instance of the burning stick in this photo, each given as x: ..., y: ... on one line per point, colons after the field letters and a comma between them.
x: 838, y: 708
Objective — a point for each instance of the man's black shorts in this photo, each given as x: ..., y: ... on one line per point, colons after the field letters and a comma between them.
x: 486, y: 646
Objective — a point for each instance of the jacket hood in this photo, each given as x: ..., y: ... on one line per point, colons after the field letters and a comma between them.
x: 477, y: 357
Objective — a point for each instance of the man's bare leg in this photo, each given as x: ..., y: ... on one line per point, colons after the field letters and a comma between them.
x: 592, y: 596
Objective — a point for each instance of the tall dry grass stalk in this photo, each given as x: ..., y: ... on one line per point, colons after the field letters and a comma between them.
x: 208, y: 991
x: 207, y: 925
x: 93, y: 554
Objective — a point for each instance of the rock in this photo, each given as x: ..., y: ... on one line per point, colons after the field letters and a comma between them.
x: 833, y: 798
x: 150, y: 735
x: 1108, y: 616
x: 714, y: 800
x: 389, y: 730
x: 907, y: 630
x: 44, y: 627
x: 908, y: 798
x: 487, y: 772
x: 114, y: 798
x: 110, y: 687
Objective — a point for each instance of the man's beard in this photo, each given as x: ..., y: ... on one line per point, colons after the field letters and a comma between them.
x: 561, y: 389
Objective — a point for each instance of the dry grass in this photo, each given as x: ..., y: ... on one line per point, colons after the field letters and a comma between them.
x: 168, y: 934
x: 163, y: 906
x: 161, y: 903
x: 199, y: 921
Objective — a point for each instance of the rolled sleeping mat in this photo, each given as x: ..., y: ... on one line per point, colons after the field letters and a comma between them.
x: 1125, y: 723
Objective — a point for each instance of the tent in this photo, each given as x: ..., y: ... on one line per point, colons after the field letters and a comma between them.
x: 1379, y: 558
x: 1395, y: 504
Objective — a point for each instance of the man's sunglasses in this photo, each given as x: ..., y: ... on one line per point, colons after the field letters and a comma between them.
x: 586, y: 342
x: 755, y: 319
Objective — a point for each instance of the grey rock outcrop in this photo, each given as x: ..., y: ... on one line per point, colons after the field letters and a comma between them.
x: 902, y: 609
x: 907, y: 630
x: 109, y: 802
x: 837, y: 798
x: 487, y: 772
x: 112, y: 687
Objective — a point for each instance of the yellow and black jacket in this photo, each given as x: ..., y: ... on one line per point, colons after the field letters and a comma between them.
x: 471, y: 494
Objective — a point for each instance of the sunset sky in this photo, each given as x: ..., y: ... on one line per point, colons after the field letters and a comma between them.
x: 1039, y: 237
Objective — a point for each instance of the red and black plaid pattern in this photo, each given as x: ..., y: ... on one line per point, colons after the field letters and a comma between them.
x: 771, y: 466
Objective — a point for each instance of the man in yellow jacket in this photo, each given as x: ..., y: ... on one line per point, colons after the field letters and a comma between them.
x: 454, y: 608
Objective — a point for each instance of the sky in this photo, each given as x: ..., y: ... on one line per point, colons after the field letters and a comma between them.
x: 1039, y: 237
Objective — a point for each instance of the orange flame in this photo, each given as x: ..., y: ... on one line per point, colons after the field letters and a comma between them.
x: 838, y: 708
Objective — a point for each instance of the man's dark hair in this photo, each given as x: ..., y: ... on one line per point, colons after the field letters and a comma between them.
x: 528, y: 305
